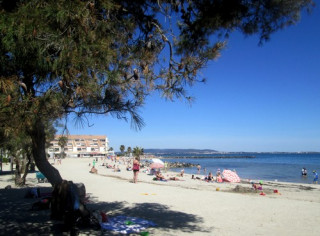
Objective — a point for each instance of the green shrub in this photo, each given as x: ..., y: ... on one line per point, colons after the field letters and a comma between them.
x: 5, y: 160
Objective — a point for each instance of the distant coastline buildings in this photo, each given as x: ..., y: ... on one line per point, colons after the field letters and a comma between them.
x: 81, y: 146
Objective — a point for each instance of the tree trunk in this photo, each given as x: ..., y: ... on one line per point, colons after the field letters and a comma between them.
x: 11, y: 163
x: 1, y: 160
x: 25, y: 170
x: 39, y: 154
x: 17, y: 180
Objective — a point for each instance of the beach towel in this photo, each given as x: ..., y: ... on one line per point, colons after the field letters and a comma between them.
x: 126, y: 224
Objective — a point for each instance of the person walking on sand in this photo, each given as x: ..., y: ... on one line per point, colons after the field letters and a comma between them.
x: 135, y: 168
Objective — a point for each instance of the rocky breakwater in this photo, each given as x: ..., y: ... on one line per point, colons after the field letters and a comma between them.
x: 180, y: 165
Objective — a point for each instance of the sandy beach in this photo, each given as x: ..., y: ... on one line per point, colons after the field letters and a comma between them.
x: 181, y: 207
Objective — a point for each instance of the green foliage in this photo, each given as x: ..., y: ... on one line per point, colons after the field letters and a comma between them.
x: 137, y: 152
x: 122, y: 148
x: 5, y: 160
x: 129, y: 150
x: 105, y: 57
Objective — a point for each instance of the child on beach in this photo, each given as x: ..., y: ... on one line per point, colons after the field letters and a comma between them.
x: 315, y: 177
x: 257, y: 187
x: 219, y: 178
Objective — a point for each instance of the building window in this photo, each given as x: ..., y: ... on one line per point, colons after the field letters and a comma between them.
x: 78, y: 149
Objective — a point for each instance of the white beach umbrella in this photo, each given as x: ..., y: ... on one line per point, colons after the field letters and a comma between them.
x: 156, y: 165
x: 156, y: 160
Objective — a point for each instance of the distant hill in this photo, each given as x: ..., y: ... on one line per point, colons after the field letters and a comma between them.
x: 167, y: 151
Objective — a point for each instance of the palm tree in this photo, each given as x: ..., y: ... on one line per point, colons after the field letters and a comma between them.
x: 137, y: 152
x: 122, y: 148
x: 63, y: 140
x: 129, y: 150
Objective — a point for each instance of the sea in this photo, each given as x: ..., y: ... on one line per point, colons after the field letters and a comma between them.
x: 283, y: 167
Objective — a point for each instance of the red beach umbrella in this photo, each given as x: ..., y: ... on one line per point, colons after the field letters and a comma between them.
x: 230, y: 176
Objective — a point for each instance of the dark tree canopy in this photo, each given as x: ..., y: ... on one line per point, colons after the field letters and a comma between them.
x: 104, y: 57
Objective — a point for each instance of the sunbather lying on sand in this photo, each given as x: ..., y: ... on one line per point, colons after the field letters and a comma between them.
x: 159, y: 176
x: 173, y: 178
x: 93, y: 170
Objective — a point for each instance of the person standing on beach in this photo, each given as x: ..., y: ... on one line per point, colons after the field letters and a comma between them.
x: 304, y: 171
x: 315, y: 177
x: 199, y: 168
x: 135, y: 168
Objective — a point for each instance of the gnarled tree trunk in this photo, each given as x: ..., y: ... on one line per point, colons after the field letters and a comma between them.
x: 23, y: 169
x: 38, y: 137
x: 18, y: 180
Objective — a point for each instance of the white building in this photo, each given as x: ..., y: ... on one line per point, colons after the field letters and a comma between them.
x: 81, y: 146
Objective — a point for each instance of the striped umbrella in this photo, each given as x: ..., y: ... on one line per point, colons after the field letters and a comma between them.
x: 230, y: 176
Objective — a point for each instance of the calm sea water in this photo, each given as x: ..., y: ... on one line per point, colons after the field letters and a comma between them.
x: 280, y: 167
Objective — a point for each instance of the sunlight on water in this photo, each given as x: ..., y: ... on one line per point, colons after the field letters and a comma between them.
x: 280, y: 167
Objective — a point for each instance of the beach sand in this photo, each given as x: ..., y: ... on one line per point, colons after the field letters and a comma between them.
x: 180, y: 207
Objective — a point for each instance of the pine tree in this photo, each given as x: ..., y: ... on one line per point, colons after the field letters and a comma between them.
x: 105, y: 57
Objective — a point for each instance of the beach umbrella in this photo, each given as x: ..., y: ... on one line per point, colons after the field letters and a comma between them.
x: 230, y: 176
x: 156, y: 165
x: 156, y: 160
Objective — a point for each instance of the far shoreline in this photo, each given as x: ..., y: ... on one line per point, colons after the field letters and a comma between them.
x: 198, y: 157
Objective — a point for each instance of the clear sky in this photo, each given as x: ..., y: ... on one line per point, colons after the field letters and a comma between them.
x: 255, y: 99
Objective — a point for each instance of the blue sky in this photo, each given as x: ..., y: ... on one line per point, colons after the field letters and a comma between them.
x: 255, y: 99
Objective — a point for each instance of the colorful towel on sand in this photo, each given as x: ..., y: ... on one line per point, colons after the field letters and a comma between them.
x: 126, y: 224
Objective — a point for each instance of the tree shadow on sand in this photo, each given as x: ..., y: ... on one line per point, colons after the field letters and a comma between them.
x: 165, y: 218
x: 17, y: 218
